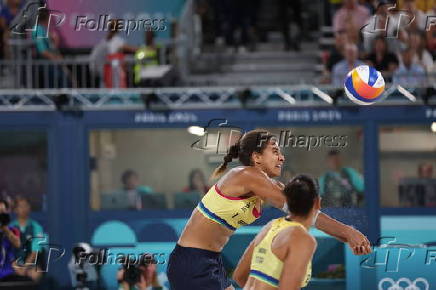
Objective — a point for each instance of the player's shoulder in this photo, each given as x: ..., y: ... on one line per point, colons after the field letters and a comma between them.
x: 300, y: 236
x: 250, y: 171
x: 263, y: 232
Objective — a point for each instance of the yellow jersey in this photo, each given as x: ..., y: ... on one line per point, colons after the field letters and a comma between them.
x: 228, y: 211
x: 265, y: 266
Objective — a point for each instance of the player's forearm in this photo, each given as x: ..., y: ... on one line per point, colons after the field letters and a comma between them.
x: 332, y: 227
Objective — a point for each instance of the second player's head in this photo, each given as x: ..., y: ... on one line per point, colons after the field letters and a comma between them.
x: 302, y: 196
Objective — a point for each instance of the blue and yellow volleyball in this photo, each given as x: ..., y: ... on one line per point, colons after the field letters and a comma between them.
x: 364, y: 85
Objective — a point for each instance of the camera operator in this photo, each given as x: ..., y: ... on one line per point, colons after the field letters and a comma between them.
x: 83, y: 274
x: 9, y: 242
x: 138, y: 275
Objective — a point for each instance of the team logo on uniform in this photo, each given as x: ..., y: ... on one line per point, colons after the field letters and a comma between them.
x: 403, y: 284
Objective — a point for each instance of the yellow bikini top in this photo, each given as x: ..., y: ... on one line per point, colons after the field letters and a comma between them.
x: 231, y: 212
x: 265, y: 266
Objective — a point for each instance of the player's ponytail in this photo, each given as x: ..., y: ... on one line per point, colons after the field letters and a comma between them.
x: 252, y: 141
x: 232, y: 154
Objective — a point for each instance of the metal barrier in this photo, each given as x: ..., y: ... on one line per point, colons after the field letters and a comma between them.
x: 22, y: 71
x: 198, y: 98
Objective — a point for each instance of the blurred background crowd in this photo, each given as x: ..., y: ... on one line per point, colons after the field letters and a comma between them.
x: 398, y: 39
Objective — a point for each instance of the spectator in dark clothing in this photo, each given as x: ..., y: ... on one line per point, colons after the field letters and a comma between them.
x: 340, y: 186
x: 7, y: 14
x: 286, y: 19
x: 133, y: 190
x: 383, y: 60
x: 197, y: 182
x: 337, y: 53
x: 243, y: 20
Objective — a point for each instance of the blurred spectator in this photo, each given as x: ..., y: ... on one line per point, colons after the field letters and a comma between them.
x: 337, y: 52
x: 46, y: 44
x: 421, y: 56
x: 31, y: 234
x: 381, y: 59
x: 409, y: 73
x: 351, y: 18
x: 7, y: 14
x: 335, y: 55
x: 425, y: 170
x: 197, y: 182
x: 286, y: 20
x: 242, y: 32
x: 371, y: 5
x: 132, y: 189
x: 146, y: 55
x: 46, y: 49
x: 9, y: 241
x: 420, y: 18
x: 112, y: 47
x: 421, y: 191
x: 342, y: 68
x: 222, y: 16
x: 340, y: 186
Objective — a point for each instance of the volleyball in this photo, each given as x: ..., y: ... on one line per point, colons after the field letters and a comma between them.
x: 364, y: 85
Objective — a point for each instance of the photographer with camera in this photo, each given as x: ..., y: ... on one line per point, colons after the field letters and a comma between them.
x: 138, y: 275
x: 83, y: 274
x: 9, y: 242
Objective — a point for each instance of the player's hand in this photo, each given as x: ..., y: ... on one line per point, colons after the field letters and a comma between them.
x: 358, y: 242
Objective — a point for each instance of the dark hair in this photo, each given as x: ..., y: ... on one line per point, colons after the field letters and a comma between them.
x: 250, y: 142
x: 43, y: 14
x: 191, y: 177
x: 301, y: 193
x: 127, y: 174
x: 5, y: 203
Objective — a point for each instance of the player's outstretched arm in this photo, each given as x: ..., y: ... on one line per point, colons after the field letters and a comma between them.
x: 357, y: 241
x: 261, y: 185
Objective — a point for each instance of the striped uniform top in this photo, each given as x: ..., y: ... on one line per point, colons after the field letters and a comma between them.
x: 230, y: 212
x: 265, y: 266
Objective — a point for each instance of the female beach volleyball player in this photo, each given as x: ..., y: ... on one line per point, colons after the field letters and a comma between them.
x: 236, y: 200
x: 281, y: 254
